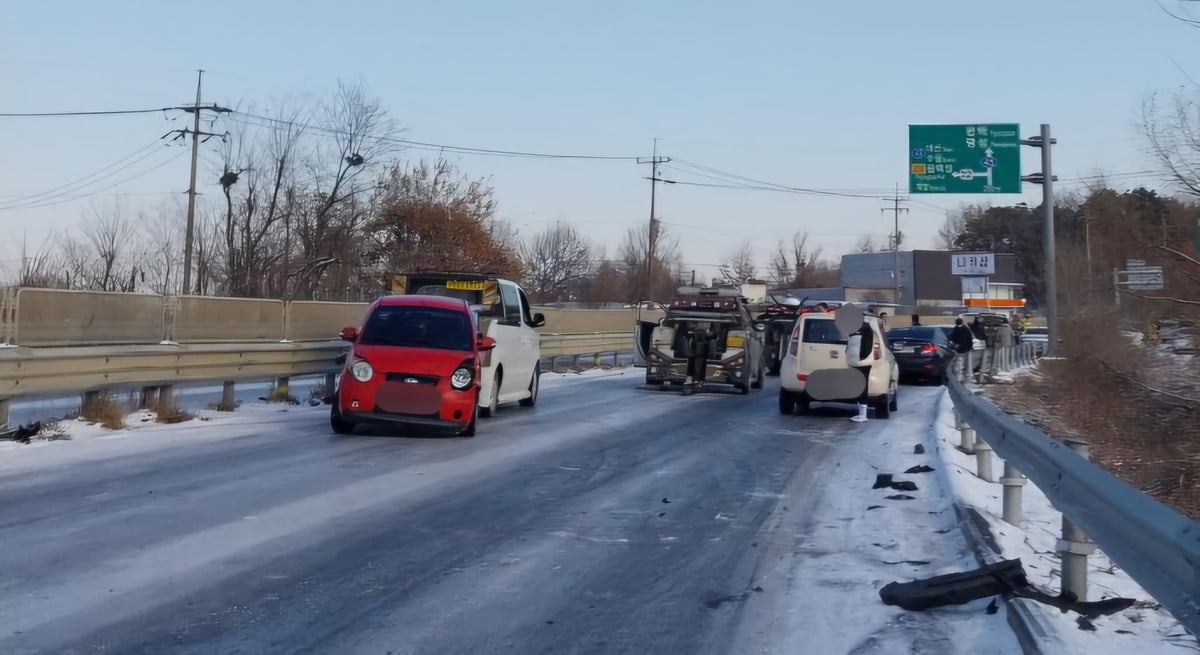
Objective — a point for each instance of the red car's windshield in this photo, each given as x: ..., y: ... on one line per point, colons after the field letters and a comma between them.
x: 418, y: 327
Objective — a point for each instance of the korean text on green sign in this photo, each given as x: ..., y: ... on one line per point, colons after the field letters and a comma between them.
x: 981, y: 158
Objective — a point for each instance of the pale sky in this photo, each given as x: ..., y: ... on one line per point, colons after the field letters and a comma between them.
x: 799, y: 93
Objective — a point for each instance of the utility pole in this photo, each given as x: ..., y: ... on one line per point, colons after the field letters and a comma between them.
x: 1050, y: 261
x: 651, y: 247
x: 189, y: 237
x: 896, y: 210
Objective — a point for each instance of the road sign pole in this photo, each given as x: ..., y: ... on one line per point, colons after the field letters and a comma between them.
x: 1049, y: 259
x: 1050, y: 262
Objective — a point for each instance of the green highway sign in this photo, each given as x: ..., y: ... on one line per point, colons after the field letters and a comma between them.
x: 964, y: 158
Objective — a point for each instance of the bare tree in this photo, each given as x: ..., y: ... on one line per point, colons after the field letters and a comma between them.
x: 951, y: 229
x: 738, y: 266
x: 162, y: 260
x: 107, y: 263
x: 867, y: 243
x: 556, y: 261
x: 1174, y: 136
x: 792, y: 263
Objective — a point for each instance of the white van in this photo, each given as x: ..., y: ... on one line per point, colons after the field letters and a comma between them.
x: 817, y: 344
x: 511, y: 371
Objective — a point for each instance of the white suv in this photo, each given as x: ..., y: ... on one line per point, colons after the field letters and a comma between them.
x: 817, y: 344
x: 511, y: 371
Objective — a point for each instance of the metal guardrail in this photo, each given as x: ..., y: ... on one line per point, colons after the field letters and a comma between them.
x: 39, y: 371
x: 1156, y: 545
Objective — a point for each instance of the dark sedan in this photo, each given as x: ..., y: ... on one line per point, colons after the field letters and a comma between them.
x: 923, y: 353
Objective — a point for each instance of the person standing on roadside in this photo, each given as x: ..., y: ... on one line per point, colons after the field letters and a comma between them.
x: 916, y: 320
x: 964, y: 343
x: 978, y: 330
x: 1004, y: 334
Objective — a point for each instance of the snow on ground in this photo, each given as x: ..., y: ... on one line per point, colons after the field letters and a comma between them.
x: 858, y: 540
x: 72, y: 439
x: 551, y: 380
x: 1143, y: 629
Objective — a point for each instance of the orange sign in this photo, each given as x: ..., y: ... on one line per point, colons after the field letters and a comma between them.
x: 994, y: 302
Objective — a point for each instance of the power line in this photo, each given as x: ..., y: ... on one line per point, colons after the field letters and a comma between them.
x: 79, y: 184
x: 802, y: 190
x: 467, y: 150
x: 97, y: 192
x: 114, y: 112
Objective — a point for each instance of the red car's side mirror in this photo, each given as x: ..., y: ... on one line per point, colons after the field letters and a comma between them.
x: 486, y: 343
x: 349, y: 334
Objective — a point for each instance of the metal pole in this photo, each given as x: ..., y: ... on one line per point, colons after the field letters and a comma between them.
x: 4, y: 402
x: 191, y: 209
x: 1012, y: 481
x: 228, y: 401
x: 1051, y: 261
x: 1075, y: 546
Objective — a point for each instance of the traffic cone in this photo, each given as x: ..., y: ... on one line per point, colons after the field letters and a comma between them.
x: 862, y: 414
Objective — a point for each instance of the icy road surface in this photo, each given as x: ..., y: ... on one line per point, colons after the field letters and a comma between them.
x: 606, y: 520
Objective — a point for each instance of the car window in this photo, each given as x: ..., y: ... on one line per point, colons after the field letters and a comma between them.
x: 512, y: 304
x: 822, y: 331
x: 418, y: 327
x: 526, y: 316
x: 916, y: 334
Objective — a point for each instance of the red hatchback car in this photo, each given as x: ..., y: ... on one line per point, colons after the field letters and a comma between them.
x: 416, y: 362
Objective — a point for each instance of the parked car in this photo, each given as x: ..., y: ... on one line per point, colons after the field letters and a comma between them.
x: 816, y: 345
x: 511, y: 372
x: 1039, y: 337
x: 416, y: 361
x: 978, y: 345
x: 922, y: 353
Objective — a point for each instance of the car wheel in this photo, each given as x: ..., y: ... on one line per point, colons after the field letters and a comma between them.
x: 534, y: 385
x: 494, y: 401
x: 882, y: 407
x: 787, y: 402
x: 758, y: 379
x: 336, y: 422
x: 469, y: 431
x: 803, y: 404
x: 894, y: 404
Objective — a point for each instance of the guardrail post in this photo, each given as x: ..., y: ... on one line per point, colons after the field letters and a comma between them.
x: 1075, y: 546
x: 596, y: 361
x: 228, y: 403
x: 89, y: 405
x: 166, y: 400
x: 983, y: 460
x: 3, y: 414
x: 1013, y: 480
x: 966, y: 438
x: 148, y: 398
x: 281, y: 388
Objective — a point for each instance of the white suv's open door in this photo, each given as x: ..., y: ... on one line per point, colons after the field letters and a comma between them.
x: 648, y: 315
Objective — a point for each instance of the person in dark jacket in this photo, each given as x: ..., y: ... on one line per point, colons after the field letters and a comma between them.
x: 978, y: 329
x: 964, y: 343
x: 916, y: 320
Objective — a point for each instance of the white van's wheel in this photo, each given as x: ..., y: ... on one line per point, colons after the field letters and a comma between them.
x: 534, y: 385
x: 489, y: 410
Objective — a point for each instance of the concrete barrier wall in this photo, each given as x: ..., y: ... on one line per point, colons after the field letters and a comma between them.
x: 319, y: 321
x: 52, y: 317
x: 215, y: 320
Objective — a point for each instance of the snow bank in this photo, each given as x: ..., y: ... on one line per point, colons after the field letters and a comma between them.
x: 73, y: 440
x: 829, y: 567
x: 1143, y: 629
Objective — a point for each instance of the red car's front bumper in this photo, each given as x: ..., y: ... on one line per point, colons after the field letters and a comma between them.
x: 407, y: 399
